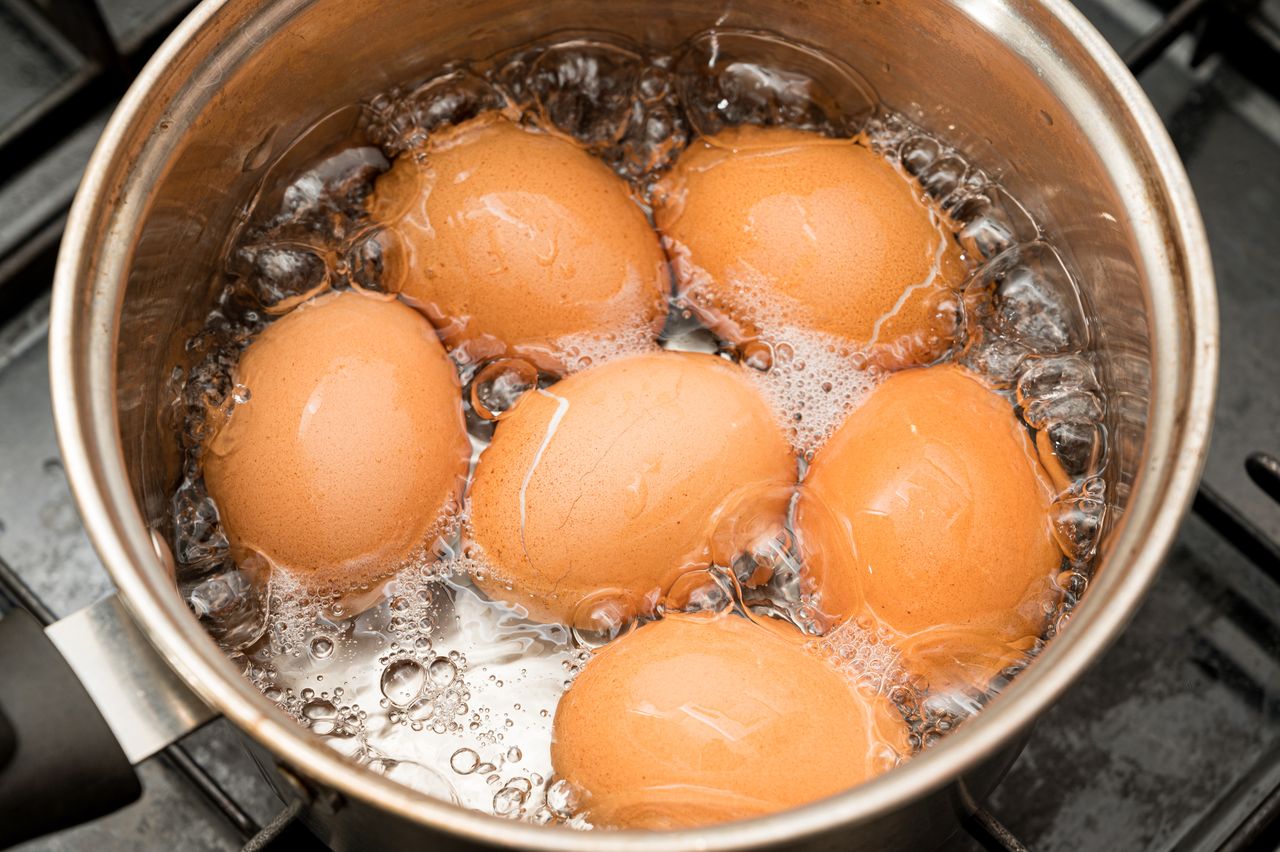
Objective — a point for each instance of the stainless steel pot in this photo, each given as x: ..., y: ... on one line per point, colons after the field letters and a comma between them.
x: 1027, y: 90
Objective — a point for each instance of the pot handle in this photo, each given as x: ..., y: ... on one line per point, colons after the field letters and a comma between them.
x: 81, y: 702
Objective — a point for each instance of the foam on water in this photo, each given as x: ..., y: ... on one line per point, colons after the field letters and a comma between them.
x: 585, y: 351
x: 812, y: 381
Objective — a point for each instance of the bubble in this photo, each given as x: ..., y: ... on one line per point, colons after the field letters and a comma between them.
x: 943, y: 176
x: 998, y: 358
x: 1060, y: 396
x: 729, y: 77
x: 599, y: 619
x: 231, y: 605
x: 855, y: 649
x: 294, y: 249
x: 442, y: 672
x: 612, y: 99
x: 464, y: 761
x: 709, y: 590
x: 402, y: 681
x: 500, y: 385
x: 198, y: 534
x: 561, y: 798
x: 1078, y: 446
x: 1043, y: 377
x: 513, y: 755
x: 586, y: 90
x: 416, y: 776
x: 321, y: 716
x: 756, y: 354
x: 508, y: 801
x: 1040, y: 412
x: 403, y: 121
x: 322, y: 647
x: 283, y: 277
x: 588, y: 349
x: 1072, y: 583
x: 983, y: 235
x: 751, y: 535
x: 1077, y: 519
x: 918, y: 153
x: 1035, y: 300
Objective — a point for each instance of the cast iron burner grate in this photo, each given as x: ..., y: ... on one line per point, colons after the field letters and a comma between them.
x: 84, y: 60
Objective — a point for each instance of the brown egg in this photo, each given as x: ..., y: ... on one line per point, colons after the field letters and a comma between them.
x: 609, y: 483
x: 511, y: 241
x: 930, y: 505
x: 350, y: 447
x: 773, y: 228
x: 702, y: 719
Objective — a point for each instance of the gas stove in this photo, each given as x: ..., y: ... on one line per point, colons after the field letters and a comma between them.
x: 1171, y: 742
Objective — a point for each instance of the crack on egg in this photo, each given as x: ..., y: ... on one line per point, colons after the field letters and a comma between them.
x: 562, y: 405
x: 934, y: 272
x: 609, y: 449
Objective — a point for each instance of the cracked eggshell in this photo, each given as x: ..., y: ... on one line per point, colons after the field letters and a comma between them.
x: 609, y: 483
x: 351, y: 448
x: 512, y: 240
x: 775, y: 228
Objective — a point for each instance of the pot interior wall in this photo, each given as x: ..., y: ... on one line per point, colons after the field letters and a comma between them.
x: 954, y: 68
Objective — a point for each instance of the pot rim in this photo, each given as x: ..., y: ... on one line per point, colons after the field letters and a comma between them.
x: 84, y: 322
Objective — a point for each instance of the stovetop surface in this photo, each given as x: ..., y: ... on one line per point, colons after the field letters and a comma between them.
x: 1164, y: 745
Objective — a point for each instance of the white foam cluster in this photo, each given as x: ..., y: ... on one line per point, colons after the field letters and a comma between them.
x: 293, y: 613
x: 811, y: 379
x: 812, y: 384
x: 587, y: 350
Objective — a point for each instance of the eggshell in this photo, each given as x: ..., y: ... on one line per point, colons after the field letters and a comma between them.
x: 610, y: 482
x: 511, y: 240
x: 351, y: 446
x: 930, y: 507
x: 702, y: 719
x: 774, y: 228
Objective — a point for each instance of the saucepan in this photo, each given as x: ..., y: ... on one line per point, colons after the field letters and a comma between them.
x: 1028, y: 90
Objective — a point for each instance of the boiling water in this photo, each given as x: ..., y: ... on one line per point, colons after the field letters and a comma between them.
x: 432, y: 685
x: 424, y: 679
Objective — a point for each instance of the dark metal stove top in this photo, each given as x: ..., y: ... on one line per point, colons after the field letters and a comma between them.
x: 1172, y: 742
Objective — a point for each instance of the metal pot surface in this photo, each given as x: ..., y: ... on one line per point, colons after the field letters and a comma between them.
x: 1027, y: 90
